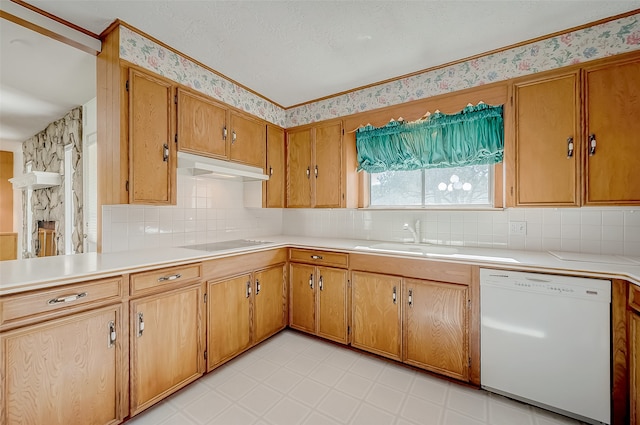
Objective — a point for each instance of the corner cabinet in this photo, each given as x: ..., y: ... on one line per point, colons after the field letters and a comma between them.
x: 152, y: 174
x: 246, y: 302
x: 243, y: 311
x: 547, y: 141
x: 319, y: 293
x: 612, y: 108
x: 275, y: 188
x: 316, y: 172
x: 63, y: 354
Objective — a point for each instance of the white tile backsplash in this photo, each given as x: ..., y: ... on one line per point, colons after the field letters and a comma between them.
x: 213, y: 210
x: 614, y: 231
x: 207, y: 211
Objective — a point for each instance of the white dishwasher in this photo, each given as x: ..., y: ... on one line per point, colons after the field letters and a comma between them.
x: 545, y: 340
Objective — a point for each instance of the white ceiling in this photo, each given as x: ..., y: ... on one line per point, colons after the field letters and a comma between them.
x: 294, y: 51
x: 40, y: 81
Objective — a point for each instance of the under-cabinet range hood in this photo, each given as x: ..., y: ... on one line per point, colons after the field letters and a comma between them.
x: 195, y: 165
x: 36, y: 180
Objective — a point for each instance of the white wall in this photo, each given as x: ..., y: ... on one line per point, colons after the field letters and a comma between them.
x: 207, y: 211
x: 613, y: 231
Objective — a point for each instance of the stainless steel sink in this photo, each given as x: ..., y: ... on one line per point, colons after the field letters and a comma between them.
x: 410, y: 248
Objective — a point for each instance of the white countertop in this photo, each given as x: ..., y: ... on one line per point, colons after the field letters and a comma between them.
x: 37, y: 273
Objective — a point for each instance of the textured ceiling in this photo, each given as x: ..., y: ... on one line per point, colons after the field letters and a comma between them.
x: 289, y: 51
x: 296, y: 51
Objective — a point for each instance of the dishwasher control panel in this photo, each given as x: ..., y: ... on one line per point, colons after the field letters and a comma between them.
x: 579, y: 287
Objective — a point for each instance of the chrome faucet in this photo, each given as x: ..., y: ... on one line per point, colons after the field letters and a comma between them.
x: 415, y: 231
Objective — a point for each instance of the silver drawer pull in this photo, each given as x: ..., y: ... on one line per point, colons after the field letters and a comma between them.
x: 316, y: 257
x: 172, y: 277
x: 66, y: 299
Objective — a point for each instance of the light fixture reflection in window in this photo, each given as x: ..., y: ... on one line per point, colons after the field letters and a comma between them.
x: 455, y: 184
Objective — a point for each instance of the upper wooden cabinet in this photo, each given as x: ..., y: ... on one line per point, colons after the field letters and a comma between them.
x: 612, y: 133
x: 152, y: 151
x: 299, y: 157
x: 247, y: 139
x: 547, y: 141
x: 275, y: 187
x: 202, y: 125
x: 316, y: 171
x: 576, y: 136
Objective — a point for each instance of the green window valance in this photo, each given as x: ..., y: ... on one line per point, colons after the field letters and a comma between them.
x: 471, y: 137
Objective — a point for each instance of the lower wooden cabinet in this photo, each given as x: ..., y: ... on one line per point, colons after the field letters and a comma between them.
x: 377, y: 325
x: 436, y: 321
x: 419, y: 322
x: 269, y: 303
x: 229, y: 309
x: 242, y: 311
x: 319, y: 301
x: 65, y: 371
x: 167, y: 332
x: 634, y: 366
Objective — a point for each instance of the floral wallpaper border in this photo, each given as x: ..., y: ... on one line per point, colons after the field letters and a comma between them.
x: 599, y: 41
x: 610, y: 38
x: 149, y: 55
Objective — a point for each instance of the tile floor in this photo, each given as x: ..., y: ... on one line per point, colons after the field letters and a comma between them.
x: 295, y: 379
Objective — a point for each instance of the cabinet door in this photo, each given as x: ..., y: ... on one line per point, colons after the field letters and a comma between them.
x: 152, y: 168
x: 268, y: 307
x: 167, y: 344
x: 229, y: 327
x: 275, y: 186
x: 299, y: 169
x: 248, y: 140
x: 547, y: 121
x: 376, y: 324
x: 302, y: 301
x: 612, y: 99
x: 634, y: 366
x: 436, y: 327
x: 201, y: 125
x: 64, y: 371
x: 332, y: 304
x: 328, y: 165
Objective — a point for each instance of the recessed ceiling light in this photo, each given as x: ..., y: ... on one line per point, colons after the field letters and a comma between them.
x: 364, y: 38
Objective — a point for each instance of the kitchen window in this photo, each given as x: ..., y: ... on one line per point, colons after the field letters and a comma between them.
x: 459, y: 187
x: 440, y: 160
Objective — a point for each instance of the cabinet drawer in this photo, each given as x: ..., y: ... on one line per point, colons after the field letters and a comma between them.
x: 36, y: 306
x: 326, y: 258
x: 148, y: 281
x: 634, y: 297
